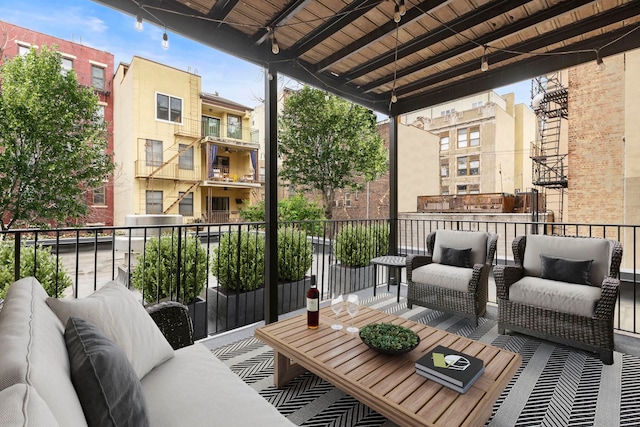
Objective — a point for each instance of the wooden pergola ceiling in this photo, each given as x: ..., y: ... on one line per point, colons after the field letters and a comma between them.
x: 355, y: 49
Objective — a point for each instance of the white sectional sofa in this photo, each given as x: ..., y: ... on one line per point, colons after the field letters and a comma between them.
x: 185, y: 387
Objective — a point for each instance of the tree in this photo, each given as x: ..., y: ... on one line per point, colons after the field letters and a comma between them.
x: 52, y: 142
x: 327, y: 143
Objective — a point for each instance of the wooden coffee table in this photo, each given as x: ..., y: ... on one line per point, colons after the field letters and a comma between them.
x: 388, y: 384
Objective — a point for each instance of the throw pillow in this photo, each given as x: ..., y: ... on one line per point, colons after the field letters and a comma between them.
x: 108, y: 388
x: 455, y: 257
x: 117, y: 313
x: 565, y: 269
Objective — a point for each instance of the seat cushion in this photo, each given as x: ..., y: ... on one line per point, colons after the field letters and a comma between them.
x: 21, y: 406
x: 210, y: 394
x: 476, y: 240
x: 443, y: 276
x: 123, y: 319
x: 564, y: 297
x: 108, y: 387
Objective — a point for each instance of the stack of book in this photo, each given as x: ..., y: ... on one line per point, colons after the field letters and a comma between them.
x: 450, y: 368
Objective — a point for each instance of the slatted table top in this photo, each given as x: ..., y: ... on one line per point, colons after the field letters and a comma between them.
x: 388, y: 384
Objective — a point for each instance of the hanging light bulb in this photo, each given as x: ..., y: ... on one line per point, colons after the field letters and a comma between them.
x: 275, y: 48
x: 599, y: 62
x: 165, y: 40
x: 484, y: 62
x: 139, y: 22
x: 396, y: 14
x: 402, y: 8
x: 394, y: 98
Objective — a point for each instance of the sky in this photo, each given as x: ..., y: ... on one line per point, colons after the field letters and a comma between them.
x: 99, y: 27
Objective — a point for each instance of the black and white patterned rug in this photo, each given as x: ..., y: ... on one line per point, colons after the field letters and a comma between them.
x: 555, y: 386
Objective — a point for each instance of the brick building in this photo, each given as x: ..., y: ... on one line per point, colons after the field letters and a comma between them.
x: 93, y: 68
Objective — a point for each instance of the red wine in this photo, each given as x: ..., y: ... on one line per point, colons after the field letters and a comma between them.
x: 313, y: 308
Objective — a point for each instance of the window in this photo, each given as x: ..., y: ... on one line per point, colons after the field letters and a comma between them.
x: 185, y: 160
x: 347, y: 199
x: 462, y: 138
x: 476, y: 104
x: 234, y: 126
x: 444, y: 168
x: 185, y: 207
x: 444, y: 142
x: 153, y: 152
x: 468, y: 165
x: 461, y: 189
x: 474, y: 137
x: 66, y: 64
x: 23, y: 49
x: 168, y: 108
x: 468, y: 189
x: 447, y: 111
x: 444, y: 191
x: 97, y: 77
x: 99, y: 196
x: 154, y: 202
x: 262, y: 174
x: 210, y: 126
x: 100, y: 114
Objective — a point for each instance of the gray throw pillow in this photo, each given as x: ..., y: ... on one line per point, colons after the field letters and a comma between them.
x: 565, y: 269
x: 108, y: 388
x: 455, y: 257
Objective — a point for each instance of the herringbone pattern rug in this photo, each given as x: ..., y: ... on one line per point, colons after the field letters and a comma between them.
x: 556, y: 385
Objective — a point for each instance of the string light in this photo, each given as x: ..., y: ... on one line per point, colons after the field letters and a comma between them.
x: 599, y: 62
x: 394, y: 98
x: 484, y: 63
x: 402, y: 8
x: 275, y: 48
x: 396, y: 14
x: 165, y: 40
x: 139, y: 25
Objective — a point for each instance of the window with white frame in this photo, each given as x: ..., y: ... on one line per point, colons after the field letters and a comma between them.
x: 476, y: 104
x: 185, y: 206
x: 463, y: 138
x: 67, y: 64
x: 100, y: 113
x: 23, y: 49
x: 462, y: 166
x: 474, y: 137
x: 99, y: 196
x: 468, y: 165
x: 185, y: 160
x: 97, y: 77
x: 444, y: 190
x: 444, y: 168
x: 153, y: 152
x: 444, y: 142
x: 153, y: 202
x: 468, y: 189
x: 168, y: 108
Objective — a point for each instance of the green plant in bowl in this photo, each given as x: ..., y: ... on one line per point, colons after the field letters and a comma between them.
x: 388, y: 338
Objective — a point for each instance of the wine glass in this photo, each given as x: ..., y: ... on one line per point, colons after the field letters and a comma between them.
x: 353, y: 306
x: 336, y: 305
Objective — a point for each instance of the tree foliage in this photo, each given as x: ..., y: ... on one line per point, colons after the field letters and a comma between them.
x: 53, y: 141
x: 306, y: 215
x: 327, y: 143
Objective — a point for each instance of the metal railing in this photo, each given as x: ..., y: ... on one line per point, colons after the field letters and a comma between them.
x: 93, y: 256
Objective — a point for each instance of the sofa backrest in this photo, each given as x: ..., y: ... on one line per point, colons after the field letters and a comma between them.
x: 34, y: 351
x: 476, y: 240
x: 576, y: 248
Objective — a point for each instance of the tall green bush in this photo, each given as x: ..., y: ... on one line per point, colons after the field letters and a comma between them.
x: 295, y: 254
x: 357, y: 244
x: 54, y: 280
x: 155, y: 273
x: 238, y: 261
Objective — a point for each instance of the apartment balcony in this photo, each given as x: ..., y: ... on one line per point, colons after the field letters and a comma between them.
x: 214, y: 131
x: 171, y: 170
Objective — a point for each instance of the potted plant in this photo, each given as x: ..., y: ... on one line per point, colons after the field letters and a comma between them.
x: 156, y: 274
x: 354, y: 246
x: 54, y: 279
x: 238, y: 265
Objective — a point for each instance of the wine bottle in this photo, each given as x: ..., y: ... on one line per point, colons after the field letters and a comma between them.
x: 313, y: 307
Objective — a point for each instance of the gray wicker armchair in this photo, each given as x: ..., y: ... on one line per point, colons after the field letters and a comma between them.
x: 576, y: 308
x: 174, y: 322
x: 454, y: 276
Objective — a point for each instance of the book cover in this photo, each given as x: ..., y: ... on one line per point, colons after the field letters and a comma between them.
x: 453, y: 367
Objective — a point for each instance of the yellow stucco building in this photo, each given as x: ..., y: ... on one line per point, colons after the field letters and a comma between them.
x: 179, y: 150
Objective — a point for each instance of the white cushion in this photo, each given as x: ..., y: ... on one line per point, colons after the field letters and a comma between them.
x: 22, y: 406
x: 443, y: 276
x: 564, y: 297
x: 476, y: 240
x: 33, y: 351
x: 577, y: 248
x: 123, y: 319
x: 196, y: 376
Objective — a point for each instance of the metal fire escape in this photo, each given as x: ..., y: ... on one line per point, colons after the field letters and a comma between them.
x: 549, y: 102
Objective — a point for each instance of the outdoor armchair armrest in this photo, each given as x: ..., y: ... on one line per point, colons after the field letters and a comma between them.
x: 415, y: 261
x: 505, y: 276
x: 605, y: 307
x: 174, y: 322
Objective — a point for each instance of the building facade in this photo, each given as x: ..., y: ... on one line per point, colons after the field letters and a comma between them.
x: 93, y: 68
x: 178, y: 150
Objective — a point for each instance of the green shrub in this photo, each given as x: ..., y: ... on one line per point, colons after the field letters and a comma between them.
x: 309, y: 216
x: 54, y: 282
x: 357, y: 244
x: 238, y: 261
x: 295, y: 254
x: 155, y: 273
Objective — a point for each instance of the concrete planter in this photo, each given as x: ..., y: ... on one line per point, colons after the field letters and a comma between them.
x: 238, y: 309
x: 346, y: 280
x: 198, y: 315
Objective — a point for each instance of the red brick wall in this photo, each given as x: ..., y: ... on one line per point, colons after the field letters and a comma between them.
x: 82, y: 66
x: 596, y: 147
